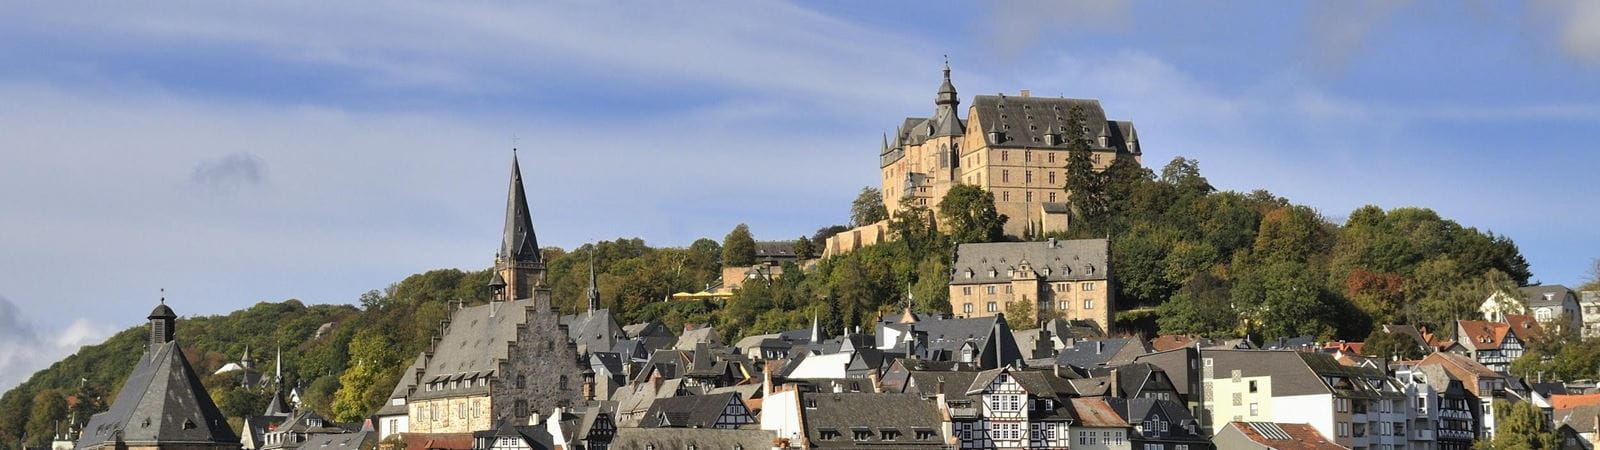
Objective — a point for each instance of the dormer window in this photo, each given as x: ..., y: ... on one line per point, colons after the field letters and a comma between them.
x: 1103, y: 142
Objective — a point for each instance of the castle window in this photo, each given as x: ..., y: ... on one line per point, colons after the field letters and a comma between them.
x: 1088, y: 286
x: 1088, y: 304
x: 1005, y: 176
x: 1027, y: 176
x: 1028, y: 196
x: 966, y: 308
x: 522, y: 382
x: 1062, y: 305
x: 1004, y: 155
x: 1052, y: 177
x: 563, y: 382
x: 1052, y: 197
x: 966, y: 290
x: 1005, y: 196
x: 992, y: 307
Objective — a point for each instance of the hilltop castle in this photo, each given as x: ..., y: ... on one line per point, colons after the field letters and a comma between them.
x: 1014, y: 147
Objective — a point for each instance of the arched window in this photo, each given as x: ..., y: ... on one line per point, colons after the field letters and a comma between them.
x: 563, y: 382
x: 522, y: 382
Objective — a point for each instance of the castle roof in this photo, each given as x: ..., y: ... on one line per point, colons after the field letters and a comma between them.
x: 1024, y: 122
x: 1063, y: 260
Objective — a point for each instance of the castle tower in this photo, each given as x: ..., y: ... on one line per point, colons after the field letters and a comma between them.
x: 518, y: 264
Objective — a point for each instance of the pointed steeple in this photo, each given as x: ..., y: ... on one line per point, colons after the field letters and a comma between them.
x: 816, y: 330
x: 884, y: 148
x: 277, y: 368
x: 594, y: 286
x: 519, y: 242
x: 246, y: 361
x: 946, y: 121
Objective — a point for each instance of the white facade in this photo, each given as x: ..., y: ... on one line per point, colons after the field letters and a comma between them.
x: 1096, y: 438
x: 780, y: 414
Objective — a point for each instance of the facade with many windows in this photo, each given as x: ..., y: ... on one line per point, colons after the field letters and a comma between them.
x: 1068, y: 279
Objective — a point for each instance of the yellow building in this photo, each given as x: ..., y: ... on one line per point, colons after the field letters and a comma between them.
x: 1068, y: 279
x: 1013, y: 146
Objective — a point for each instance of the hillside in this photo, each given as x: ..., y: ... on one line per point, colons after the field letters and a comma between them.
x: 1188, y: 259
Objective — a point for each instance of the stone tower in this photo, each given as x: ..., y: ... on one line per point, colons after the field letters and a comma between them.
x: 519, y: 268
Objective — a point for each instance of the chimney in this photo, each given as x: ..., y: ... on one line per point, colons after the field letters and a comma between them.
x: 533, y: 418
x: 1052, y: 243
x: 1116, y: 384
x: 1026, y: 93
x: 1099, y: 347
x: 938, y: 388
x: 877, y: 382
x: 588, y: 387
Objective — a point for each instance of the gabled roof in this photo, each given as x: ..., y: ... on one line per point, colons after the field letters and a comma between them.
x: 359, y: 440
x: 593, y: 331
x: 1545, y: 295
x: 1524, y: 326
x: 161, y: 402
x: 1569, y: 401
x: 1101, y: 352
x: 1483, y: 335
x: 689, y: 411
x: 474, y: 343
x: 1096, y: 412
x: 1026, y: 120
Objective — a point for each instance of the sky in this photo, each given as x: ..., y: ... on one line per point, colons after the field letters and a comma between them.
x: 232, y: 152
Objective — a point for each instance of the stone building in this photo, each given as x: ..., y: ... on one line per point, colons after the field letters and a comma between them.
x: 162, y: 405
x: 1013, y: 146
x: 506, y: 360
x: 1067, y: 279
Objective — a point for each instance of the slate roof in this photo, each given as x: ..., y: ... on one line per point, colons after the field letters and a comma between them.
x: 1140, y: 408
x: 651, y: 328
x: 360, y: 440
x: 948, y: 335
x: 1026, y: 120
x: 1293, y: 343
x: 162, y: 402
x: 473, y: 345
x: 775, y: 251
x: 518, y: 242
x: 1101, y: 352
x: 537, y: 437
x: 593, y: 331
x: 846, y: 413
x: 688, y: 411
x: 703, y: 335
x: 1067, y: 260
x: 683, y: 438
x: 1290, y: 373
x: 1545, y: 295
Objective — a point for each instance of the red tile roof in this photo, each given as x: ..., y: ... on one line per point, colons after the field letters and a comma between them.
x: 1524, y: 326
x: 1171, y: 341
x: 437, y: 441
x: 1567, y: 401
x: 1095, y: 412
x: 1483, y: 335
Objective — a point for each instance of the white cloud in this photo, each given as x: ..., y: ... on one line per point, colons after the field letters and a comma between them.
x: 1338, y: 30
x: 1578, y: 22
x: 1013, y: 26
x: 24, y: 351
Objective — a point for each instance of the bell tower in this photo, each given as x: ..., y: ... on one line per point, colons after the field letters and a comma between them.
x: 518, y: 266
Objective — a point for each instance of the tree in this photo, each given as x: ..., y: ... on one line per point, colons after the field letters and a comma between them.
x: 969, y: 213
x: 362, y: 385
x: 1185, y: 174
x: 47, y: 417
x: 1520, y: 426
x: 804, y: 248
x: 1084, y: 187
x: 1202, y: 307
x: 1391, y: 346
x: 1019, y: 315
x: 868, y: 207
x: 739, y: 247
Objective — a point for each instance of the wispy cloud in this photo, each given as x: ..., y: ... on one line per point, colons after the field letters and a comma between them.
x: 1338, y: 31
x: 229, y: 173
x: 1012, y: 27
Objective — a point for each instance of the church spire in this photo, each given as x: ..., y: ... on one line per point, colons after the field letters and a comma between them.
x: 947, y: 90
x: 946, y: 120
x: 594, y: 287
x: 519, y: 242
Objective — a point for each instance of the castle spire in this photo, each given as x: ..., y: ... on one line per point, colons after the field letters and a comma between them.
x: 594, y: 286
x: 519, y: 242
x: 947, y: 90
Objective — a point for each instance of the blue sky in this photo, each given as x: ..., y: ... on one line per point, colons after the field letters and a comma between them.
x: 234, y: 153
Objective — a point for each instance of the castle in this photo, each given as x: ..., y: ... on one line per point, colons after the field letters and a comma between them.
x: 1015, y: 147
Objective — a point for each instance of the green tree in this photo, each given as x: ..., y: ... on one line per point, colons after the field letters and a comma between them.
x: 1594, y: 277
x: 48, y: 416
x: 804, y: 248
x: 1185, y: 174
x: 1520, y: 426
x: 739, y: 247
x: 868, y: 207
x: 1391, y: 346
x: 1202, y: 307
x: 362, y: 385
x: 969, y: 213
x: 1019, y: 315
x: 1084, y: 187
